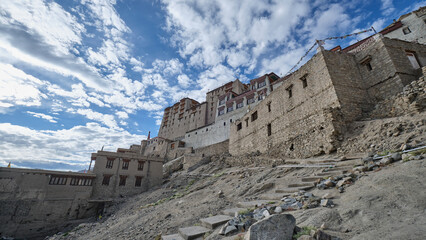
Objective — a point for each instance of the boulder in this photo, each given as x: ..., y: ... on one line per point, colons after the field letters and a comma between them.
x: 275, y: 227
x: 396, y: 157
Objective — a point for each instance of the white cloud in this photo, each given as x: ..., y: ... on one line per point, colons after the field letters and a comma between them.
x: 60, y: 149
x: 19, y: 88
x: 49, y: 20
x: 43, y: 116
x: 122, y: 115
x: 107, y: 119
x: 184, y: 80
x: 387, y: 7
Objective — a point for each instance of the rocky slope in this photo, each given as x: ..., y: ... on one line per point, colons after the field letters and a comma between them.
x: 353, y: 194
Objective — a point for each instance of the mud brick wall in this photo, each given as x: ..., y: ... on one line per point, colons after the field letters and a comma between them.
x: 292, y: 119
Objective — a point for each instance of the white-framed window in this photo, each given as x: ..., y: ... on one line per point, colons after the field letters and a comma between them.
x: 240, y: 105
x: 221, y: 112
x: 230, y: 109
x: 250, y: 101
x: 261, y: 84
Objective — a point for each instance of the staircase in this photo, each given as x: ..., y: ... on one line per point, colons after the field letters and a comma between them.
x: 327, y: 168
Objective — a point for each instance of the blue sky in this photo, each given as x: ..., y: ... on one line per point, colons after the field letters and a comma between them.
x: 79, y: 75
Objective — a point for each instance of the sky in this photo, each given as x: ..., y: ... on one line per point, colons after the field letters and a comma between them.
x: 79, y: 75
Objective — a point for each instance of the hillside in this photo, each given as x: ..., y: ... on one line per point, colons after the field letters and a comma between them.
x: 372, y: 192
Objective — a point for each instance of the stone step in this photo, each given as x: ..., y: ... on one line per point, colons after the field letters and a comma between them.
x: 296, y: 188
x: 253, y: 203
x: 274, y: 196
x: 215, y: 221
x: 231, y: 211
x: 340, y: 168
x: 300, y: 185
x: 327, y: 174
x: 193, y: 232
x: 310, y: 179
x: 172, y: 237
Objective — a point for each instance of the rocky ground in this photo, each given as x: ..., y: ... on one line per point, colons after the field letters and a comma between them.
x: 387, y: 202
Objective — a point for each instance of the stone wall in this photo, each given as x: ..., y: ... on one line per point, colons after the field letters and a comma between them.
x: 303, y: 124
x: 190, y: 159
x: 33, y: 205
x: 391, y: 69
x: 149, y: 169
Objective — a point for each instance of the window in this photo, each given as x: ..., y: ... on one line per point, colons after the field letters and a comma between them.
x: 224, y: 123
x: 413, y: 59
x: 254, y: 116
x: 246, y: 122
x: 269, y: 130
x: 260, y: 97
x: 207, y: 129
x: 141, y: 163
x: 125, y: 164
x: 221, y: 112
x: 110, y: 162
x: 221, y: 102
x: 106, y: 179
x: 269, y: 106
x: 122, y: 180
x: 57, y: 180
x: 251, y: 100
x: 239, y: 126
x: 230, y: 120
x: 290, y: 91
x: 304, y: 81
x: 240, y: 105
x: 138, y: 181
x: 230, y: 109
x: 368, y: 65
x: 81, y: 181
x: 406, y: 30
x: 262, y: 84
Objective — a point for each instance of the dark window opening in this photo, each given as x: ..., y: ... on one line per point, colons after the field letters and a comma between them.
x: 110, y: 163
x: 369, y: 67
x: 125, y: 165
x: 292, y: 147
x: 304, y: 81
x: 230, y: 120
x: 269, y: 107
x: 106, y: 179
x: 138, y: 181
x: 406, y: 30
x: 290, y: 91
x: 224, y: 123
x: 122, y: 180
x: 58, y: 180
x: 239, y: 126
x: 254, y: 116
x: 81, y: 181
x: 207, y: 129
x: 140, y: 165
x: 246, y: 122
x: 269, y: 130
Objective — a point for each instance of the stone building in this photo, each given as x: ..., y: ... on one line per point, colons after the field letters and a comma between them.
x: 410, y: 27
x: 230, y: 106
x: 34, y: 203
x: 125, y: 172
x: 308, y: 113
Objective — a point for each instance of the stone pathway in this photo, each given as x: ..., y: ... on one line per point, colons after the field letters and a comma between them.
x: 331, y: 167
